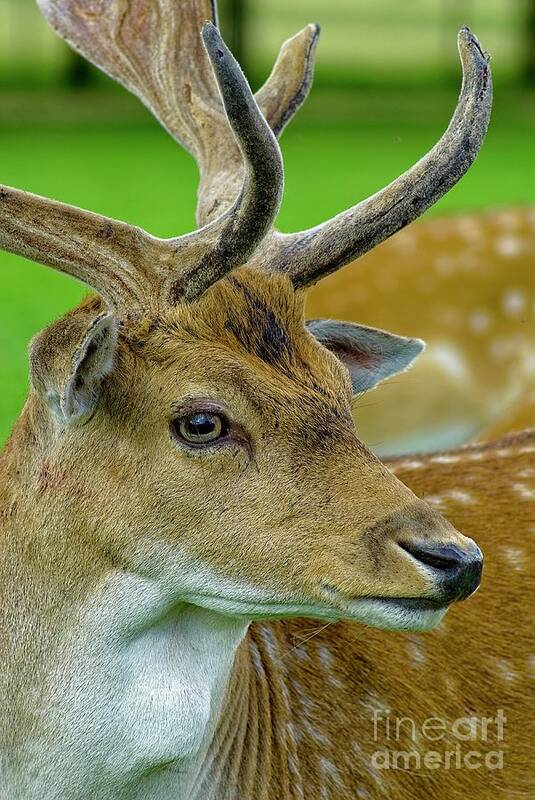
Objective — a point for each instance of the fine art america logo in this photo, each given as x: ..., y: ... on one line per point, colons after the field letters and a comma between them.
x: 473, y: 743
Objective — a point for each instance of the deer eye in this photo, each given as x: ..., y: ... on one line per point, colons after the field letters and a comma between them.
x: 202, y: 427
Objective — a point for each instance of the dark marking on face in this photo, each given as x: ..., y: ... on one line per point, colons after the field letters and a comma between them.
x: 325, y: 424
x: 259, y: 331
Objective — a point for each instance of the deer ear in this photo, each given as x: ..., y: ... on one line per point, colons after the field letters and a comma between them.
x: 371, y: 355
x: 72, y: 385
x: 92, y: 362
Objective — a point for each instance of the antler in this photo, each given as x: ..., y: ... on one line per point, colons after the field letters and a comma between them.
x: 153, y: 47
x: 314, y: 253
x: 126, y: 265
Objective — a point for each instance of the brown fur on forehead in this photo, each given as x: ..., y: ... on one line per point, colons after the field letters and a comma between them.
x: 259, y: 319
x: 248, y: 311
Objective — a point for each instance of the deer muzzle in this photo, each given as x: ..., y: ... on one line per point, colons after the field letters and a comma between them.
x: 457, y: 572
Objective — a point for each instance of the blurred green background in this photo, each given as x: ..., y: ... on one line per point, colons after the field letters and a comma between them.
x: 387, y: 79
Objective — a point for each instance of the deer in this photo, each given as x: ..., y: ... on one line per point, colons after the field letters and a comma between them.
x: 185, y: 476
x: 477, y: 369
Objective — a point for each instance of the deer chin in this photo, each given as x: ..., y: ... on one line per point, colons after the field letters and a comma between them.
x: 390, y: 613
x: 397, y: 613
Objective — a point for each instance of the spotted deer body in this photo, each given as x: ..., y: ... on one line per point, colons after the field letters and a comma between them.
x: 186, y: 463
x: 468, y: 281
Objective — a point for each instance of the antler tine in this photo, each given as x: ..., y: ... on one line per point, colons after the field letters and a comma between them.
x: 287, y: 87
x: 233, y: 237
x: 314, y: 253
x: 281, y: 96
x: 152, y: 47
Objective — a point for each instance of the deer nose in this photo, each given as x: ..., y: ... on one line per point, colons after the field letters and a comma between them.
x: 458, y: 572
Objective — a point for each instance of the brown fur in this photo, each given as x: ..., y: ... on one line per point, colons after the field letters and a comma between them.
x: 68, y: 507
x: 303, y: 507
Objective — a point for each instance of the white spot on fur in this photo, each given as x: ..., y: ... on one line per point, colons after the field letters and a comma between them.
x: 460, y: 496
x: 257, y: 661
x: 416, y: 654
x: 505, y: 669
x: 446, y: 459
x: 523, y: 491
x: 469, y: 229
x: 294, y: 733
x: 330, y: 769
x: 474, y: 456
x: 307, y: 707
x: 457, y: 495
x: 373, y: 703
x: 328, y: 661
x: 271, y: 644
x: 408, y: 464
x: 301, y: 653
x: 509, y: 246
x: 514, y: 302
x: 319, y: 737
x: 296, y: 781
x: 514, y: 556
x: 479, y: 321
x: 404, y: 241
x: 436, y: 500
x: 448, y: 358
x: 326, y: 657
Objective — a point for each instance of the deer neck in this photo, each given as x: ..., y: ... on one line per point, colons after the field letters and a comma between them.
x: 124, y: 699
x: 119, y: 689
x: 254, y: 749
x: 114, y: 687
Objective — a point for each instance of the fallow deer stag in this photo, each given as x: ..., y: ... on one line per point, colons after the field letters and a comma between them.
x: 467, y: 283
x: 186, y: 462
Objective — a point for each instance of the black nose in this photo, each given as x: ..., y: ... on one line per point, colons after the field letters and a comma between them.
x: 458, y: 572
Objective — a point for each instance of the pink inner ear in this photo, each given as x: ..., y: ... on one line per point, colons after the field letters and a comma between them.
x: 355, y: 358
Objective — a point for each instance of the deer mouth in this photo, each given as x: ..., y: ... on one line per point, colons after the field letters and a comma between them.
x: 396, y: 613
x: 414, y: 603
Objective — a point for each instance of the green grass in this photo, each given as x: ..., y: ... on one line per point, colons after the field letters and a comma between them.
x: 363, y: 42
x: 342, y: 149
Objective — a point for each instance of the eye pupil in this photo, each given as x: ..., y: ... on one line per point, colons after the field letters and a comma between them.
x: 200, y: 428
x: 201, y: 424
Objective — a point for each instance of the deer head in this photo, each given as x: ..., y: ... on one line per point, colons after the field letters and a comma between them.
x: 187, y: 425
